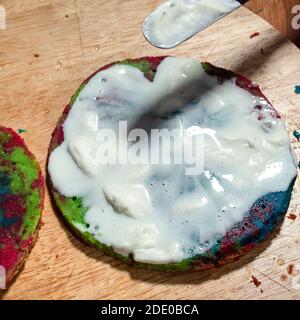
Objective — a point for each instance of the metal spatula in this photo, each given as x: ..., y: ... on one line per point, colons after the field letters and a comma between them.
x: 162, y: 34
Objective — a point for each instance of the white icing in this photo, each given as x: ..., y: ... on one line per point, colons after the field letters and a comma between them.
x: 132, y: 200
x: 157, y: 212
x: 174, y: 21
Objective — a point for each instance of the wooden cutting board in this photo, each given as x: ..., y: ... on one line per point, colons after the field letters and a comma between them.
x: 48, y: 48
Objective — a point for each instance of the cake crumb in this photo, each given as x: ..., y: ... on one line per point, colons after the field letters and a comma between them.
x: 292, y: 216
x: 255, y: 34
x: 290, y: 269
x: 256, y: 282
x: 59, y: 65
x: 36, y: 55
x: 280, y: 262
x: 283, y: 277
x: 296, y: 134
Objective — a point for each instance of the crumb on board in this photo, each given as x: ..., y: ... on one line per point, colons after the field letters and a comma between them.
x: 276, y: 233
x: 297, y: 89
x: 280, y: 262
x: 283, y: 277
x: 36, y: 55
x: 67, y: 16
x: 256, y: 282
x: 59, y: 65
x: 21, y: 130
x: 262, y: 51
x: 290, y: 269
x: 255, y: 34
x: 261, y: 290
x: 57, y: 256
x: 296, y: 134
x: 292, y: 216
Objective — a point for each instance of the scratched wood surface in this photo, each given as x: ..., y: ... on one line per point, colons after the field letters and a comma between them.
x: 48, y: 48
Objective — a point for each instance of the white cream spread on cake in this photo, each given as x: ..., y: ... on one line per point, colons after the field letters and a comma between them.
x: 158, y: 213
x: 174, y: 21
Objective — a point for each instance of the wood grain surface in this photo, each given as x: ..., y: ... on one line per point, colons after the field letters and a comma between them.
x: 48, y: 48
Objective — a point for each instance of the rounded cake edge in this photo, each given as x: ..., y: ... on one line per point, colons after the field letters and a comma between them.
x: 257, y: 226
